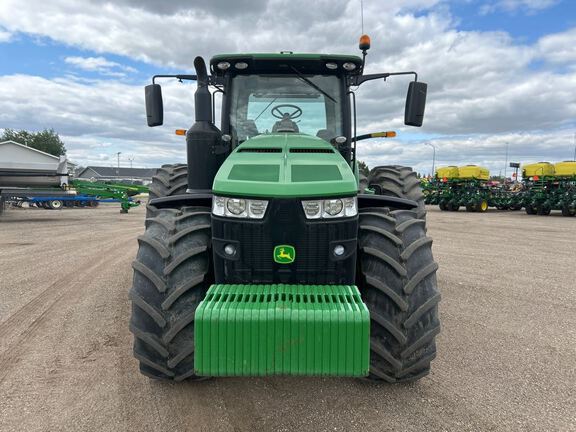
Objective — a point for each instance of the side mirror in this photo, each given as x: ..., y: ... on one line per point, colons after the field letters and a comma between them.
x: 415, y: 104
x: 154, y: 105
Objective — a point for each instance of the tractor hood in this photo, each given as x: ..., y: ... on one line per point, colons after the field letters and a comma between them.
x: 285, y: 165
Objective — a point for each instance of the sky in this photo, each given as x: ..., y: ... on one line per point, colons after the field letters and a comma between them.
x: 501, y: 74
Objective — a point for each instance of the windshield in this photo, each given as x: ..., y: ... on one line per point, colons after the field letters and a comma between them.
x: 264, y: 104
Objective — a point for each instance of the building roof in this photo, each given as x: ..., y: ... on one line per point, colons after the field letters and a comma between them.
x: 111, y: 172
x: 56, y: 158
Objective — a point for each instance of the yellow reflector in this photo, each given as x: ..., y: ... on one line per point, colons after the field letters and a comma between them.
x: 389, y: 134
x: 180, y: 131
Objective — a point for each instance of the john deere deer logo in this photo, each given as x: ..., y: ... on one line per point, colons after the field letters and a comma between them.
x: 284, y: 254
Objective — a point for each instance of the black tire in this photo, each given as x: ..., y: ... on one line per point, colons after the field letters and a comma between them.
x: 470, y: 208
x: 397, y: 279
x: 172, y: 272
x: 530, y: 210
x: 453, y: 207
x: 398, y: 181
x: 543, y: 210
x: 169, y: 180
x: 482, y: 206
x: 443, y: 206
x: 568, y: 212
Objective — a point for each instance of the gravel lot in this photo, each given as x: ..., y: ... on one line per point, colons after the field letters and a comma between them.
x: 507, y: 353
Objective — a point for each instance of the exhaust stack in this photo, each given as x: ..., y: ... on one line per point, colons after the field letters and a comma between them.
x: 206, y: 150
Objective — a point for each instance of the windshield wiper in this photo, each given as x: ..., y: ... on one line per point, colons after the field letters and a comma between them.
x: 311, y: 84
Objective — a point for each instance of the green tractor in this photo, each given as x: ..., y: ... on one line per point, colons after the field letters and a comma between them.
x: 261, y: 256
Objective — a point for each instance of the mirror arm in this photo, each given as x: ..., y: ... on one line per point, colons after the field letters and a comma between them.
x: 359, y: 79
x: 212, y: 79
x: 178, y: 77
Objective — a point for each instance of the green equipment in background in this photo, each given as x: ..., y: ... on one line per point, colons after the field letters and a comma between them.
x: 550, y: 187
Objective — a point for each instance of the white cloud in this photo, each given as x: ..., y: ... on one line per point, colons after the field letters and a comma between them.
x: 482, y: 85
x: 559, y: 47
x: 485, y: 150
x: 100, y: 65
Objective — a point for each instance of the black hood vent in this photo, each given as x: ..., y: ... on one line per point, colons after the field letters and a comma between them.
x: 259, y: 150
x: 310, y: 150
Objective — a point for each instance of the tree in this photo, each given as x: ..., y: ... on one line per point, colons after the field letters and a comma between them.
x: 47, y: 140
x: 363, y: 168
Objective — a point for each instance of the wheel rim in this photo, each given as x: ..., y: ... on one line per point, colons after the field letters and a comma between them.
x: 484, y: 206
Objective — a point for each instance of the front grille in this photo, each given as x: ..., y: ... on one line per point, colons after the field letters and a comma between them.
x: 284, y: 224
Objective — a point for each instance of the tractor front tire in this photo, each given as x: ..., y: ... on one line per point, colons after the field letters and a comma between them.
x: 398, y: 181
x: 397, y: 279
x: 172, y: 272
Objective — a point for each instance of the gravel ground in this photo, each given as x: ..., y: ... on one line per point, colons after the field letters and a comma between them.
x: 507, y: 353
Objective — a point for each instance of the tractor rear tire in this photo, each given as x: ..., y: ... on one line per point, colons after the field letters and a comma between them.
x: 397, y: 279
x: 398, y: 181
x: 169, y: 180
x: 172, y: 272
x: 543, y: 210
x: 530, y: 210
x: 470, y: 208
x: 443, y: 206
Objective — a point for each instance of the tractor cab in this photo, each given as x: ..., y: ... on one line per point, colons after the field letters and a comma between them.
x: 286, y: 93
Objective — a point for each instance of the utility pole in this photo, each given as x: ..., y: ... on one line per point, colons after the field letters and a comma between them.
x: 574, y: 146
x: 118, y: 168
x: 506, y: 162
x: 131, y: 159
x: 433, y: 156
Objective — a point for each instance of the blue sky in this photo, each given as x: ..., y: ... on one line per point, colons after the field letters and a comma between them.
x: 524, y: 25
x: 499, y: 71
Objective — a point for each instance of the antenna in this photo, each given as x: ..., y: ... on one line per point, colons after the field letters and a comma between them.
x: 362, y: 14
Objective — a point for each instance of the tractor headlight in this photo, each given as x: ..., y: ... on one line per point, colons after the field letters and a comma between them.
x: 330, y: 208
x: 333, y: 207
x: 236, y: 206
x: 239, y: 207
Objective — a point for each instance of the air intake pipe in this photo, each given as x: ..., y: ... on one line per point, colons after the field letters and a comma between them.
x: 206, y: 150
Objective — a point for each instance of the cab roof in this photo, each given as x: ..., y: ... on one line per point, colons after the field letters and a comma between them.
x: 284, y: 61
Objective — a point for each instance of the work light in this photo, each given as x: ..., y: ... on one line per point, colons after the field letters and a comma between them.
x: 239, y: 207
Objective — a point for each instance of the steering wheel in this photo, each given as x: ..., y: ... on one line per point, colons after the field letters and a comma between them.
x: 276, y: 112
